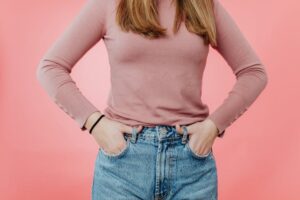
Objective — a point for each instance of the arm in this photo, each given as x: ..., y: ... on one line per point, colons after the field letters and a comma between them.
x: 250, y: 73
x: 53, y: 71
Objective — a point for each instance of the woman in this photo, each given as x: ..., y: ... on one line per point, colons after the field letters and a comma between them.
x: 155, y: 136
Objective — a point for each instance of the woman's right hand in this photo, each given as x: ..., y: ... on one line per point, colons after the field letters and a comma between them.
x: 109, y: 135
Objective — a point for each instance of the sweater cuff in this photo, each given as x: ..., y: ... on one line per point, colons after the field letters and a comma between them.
x: 221, y: 128
x: 84, y: 117
x: 76, y: 106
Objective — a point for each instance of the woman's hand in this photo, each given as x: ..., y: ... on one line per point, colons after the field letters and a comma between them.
x: 202, y: 135
x: 109, y: 135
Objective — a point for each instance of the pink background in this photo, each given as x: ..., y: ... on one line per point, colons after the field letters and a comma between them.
x: 44, y: 155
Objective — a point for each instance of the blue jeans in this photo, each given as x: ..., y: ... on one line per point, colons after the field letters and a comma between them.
x: 157, y: 163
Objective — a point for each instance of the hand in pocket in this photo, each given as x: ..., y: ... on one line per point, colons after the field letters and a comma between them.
x: 109, y: 135
x: 204, y: 134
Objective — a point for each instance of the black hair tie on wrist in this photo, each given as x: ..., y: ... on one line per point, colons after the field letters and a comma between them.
x: 96, y: 123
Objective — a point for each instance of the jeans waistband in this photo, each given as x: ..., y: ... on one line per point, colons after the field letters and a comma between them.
x: 158, y: 133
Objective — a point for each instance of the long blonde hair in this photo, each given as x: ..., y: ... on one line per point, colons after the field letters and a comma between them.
x: 141, y: 17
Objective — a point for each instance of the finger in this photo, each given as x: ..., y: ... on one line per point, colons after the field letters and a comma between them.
x: 139, y: 128
x: 129, y: 129
x: 204, y: 150
x: 179, y: 129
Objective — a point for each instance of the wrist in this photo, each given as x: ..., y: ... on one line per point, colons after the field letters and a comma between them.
x: 92, y: 119
x: 214, y: 127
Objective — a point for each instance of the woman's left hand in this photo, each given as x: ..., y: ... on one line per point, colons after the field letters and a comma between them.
x: 202, y: 135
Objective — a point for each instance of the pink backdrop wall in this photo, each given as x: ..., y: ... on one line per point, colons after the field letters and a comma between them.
x: 44, y: 155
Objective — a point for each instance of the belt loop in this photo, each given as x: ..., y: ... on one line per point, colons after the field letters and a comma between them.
x: 134, y: 135
x: 185, y: 134
x: 159, y: 136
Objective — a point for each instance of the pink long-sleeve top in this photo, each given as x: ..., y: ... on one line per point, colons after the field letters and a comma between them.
x: 152, y: 81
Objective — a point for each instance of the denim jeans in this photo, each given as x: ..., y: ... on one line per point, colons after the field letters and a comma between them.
x: 157, y: 163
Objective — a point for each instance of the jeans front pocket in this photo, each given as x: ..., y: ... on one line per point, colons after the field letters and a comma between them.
x: 122, y: 153
x: 195, y: 155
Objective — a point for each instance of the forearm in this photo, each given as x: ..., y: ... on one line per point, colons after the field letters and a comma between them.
x: 250, y: 83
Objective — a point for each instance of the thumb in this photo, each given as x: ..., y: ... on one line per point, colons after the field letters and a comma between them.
x: 129, y: 129
x: 179, y: 129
